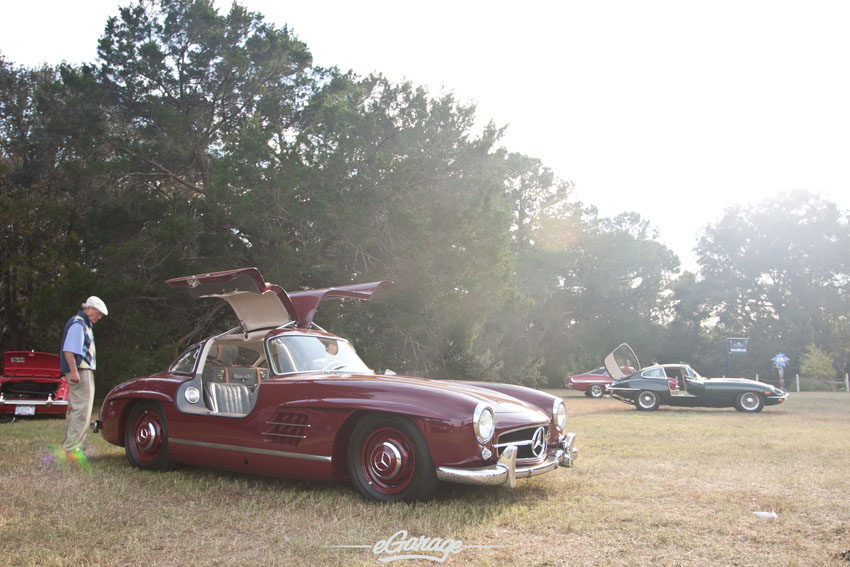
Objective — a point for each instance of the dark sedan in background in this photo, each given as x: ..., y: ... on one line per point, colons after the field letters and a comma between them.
x: 594, y: 382
x: 652, y: 386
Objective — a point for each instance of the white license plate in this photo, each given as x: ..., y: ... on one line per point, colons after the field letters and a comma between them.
x: 24, y: 410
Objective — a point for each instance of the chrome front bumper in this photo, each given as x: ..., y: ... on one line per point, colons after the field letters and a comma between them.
x: 506, y: 471
x: 776, y: 398
x: 37, y: 402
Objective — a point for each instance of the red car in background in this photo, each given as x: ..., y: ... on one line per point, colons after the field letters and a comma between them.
x: 592, y: 382
x: 31, y: 384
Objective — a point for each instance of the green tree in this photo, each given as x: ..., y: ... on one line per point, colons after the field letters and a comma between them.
x: 595, y: 282
x: 399, y: 188
x: 536, y: 194
x: 155, y: 164
x: 818, y: 365
x: 203, y: 141
x: 198, y: 111
x: 778, y: 273
x: 686, y: 332
x: 43, y: 192
x: 202, y: 106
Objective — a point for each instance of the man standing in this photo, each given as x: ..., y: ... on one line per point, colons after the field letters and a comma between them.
x: 77, y: 363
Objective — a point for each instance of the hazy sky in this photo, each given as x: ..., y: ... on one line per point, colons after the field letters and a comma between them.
x: 675, y: 109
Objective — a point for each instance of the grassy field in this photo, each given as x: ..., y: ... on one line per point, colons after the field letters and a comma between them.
x: 674, y: 487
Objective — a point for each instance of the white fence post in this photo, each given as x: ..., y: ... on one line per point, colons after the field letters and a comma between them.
x: 847, y: 382
x: 798, y: 382
x: 757, y: 378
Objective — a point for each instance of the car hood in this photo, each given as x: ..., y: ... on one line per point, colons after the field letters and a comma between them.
x: 621, y: 362
x: 261, y: 305
x: 502, y: 404
x: 739, y: 382
x: 423, y: 393
x: 509, y: 411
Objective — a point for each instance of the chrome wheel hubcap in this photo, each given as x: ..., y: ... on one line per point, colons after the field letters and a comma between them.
x: 386, y: 461
x: 146, y: 436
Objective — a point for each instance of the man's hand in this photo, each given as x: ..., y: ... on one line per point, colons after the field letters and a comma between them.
x: 73, y: 375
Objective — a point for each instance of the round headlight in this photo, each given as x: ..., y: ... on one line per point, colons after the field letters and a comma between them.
x: 559, y: 413
x: 483, y: 422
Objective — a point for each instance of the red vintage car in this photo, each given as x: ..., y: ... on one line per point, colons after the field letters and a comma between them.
x: 31, y: 384
x: 280, y: 396
x: 592, y: 382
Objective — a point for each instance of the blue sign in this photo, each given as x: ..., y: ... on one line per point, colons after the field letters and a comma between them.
x: 737, y: 346
x: 734, y: 346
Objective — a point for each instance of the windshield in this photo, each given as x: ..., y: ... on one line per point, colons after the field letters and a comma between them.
x: 307, y: 353
x: 186, y: 363
x: 691, y: 373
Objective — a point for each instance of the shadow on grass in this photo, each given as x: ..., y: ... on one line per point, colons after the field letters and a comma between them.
x: 466, y: 505
x: 625, y: 407
x: 678, y: 410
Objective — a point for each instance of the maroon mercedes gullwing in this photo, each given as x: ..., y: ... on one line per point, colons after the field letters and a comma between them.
x: 280, y: 396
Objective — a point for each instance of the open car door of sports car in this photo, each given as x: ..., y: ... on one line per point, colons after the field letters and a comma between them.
x: 306, y: 302
x: 621, y: 362
x: 257, y: 304
x: 261, y: 305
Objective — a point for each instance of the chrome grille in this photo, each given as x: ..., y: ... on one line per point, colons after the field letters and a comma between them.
x: 531, y: 442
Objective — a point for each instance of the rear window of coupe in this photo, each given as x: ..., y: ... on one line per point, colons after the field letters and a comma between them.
x: 654, y: 373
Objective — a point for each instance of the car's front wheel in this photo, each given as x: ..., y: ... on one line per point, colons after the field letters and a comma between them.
x: 647, y: 401
x: 146, y: 438
x: 388, y: 460
x: 749, y: 402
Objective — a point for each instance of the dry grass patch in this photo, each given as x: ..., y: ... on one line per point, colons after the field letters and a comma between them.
x: 673, y: 487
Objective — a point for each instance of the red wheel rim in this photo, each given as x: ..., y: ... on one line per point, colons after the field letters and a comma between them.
x: 387, y: 460
x: 148, y: 435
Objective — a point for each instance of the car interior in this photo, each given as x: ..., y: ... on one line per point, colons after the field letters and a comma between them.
x: 679, y: 375
x: 234, y: 365
x: 232, y: 373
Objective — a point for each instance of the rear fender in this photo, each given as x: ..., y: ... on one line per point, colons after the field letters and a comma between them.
x: 120, y: 401
x: 115, y: 412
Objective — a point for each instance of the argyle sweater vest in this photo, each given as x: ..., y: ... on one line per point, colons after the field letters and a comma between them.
x: 87, y: 359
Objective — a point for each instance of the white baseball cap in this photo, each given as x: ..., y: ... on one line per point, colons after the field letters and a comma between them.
x: 97, y: 303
